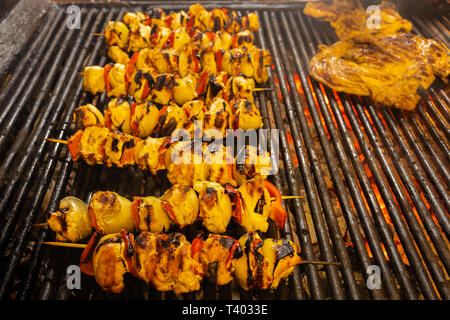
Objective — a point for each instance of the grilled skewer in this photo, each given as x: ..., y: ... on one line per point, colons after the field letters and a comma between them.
x: 170, y: 262
x: 250, y: 205
x: 185, y: 165
x: 119, y: 80
x: 146, y: 119
x: 139, y: 29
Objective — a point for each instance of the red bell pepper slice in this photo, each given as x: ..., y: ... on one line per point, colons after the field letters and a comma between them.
x: 168, y: 208
x: 276, y: 211
x: 197, y: 66
x: 236, y: 200
x: 235, y: 245
x: 106, y: 70
x: 135, y: 211
x: 197, y: 245
x: 108, y: 121
x: 93, y: 220
x: 219, y: 60
x: 168, y: 21
x: 133, y: 123
x: 171, y: 39
x: 147, y: 22
x: 146, y: 90
x: 234, y: 41
x: 130, y: 68
x: 202, y: 81
x: 74, y: 145
x: 211, y: 35
x: 86, y: 265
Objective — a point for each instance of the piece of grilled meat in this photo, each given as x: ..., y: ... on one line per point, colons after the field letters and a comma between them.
x: 350, y: 19
x: 389, y: 68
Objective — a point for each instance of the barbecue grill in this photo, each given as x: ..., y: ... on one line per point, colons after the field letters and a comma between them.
x: 374, y: 180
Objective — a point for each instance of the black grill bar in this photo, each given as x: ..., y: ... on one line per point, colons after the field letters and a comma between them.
x: 388, y: 168
x: 73, y: 63
x: 302, y: 226
x: 11, y: 91
x: 314, y: 162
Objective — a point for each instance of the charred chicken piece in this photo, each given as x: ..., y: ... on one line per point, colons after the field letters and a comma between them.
x: 71, y: 221
x: 217, y: 255
x: 251, y: 162
x: 149, y: 214
x: 390, y: 69
x: 87, y: 116
x: 215, y: 206
x: 264, y: 262
x: 181, y: 204
x: 255, y: 200
x: 349, y: 19
x: 165, y: 261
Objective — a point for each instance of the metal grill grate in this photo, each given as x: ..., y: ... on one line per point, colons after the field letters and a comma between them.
x: 380, y: 175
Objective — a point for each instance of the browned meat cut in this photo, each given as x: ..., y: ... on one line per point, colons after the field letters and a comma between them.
x: 390, y: 68
x: 350, y: 19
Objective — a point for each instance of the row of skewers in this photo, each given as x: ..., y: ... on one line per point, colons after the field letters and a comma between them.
x: 185, y: 67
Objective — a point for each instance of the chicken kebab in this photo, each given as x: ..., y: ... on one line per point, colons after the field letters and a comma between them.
x: 148, y: 119
x: 170, y: 262
x: 250, y: 206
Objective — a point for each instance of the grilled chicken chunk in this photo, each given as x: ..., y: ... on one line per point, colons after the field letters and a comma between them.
x: 215, y: 206
x: 181, y: 204
x: 255, y: 205
x: 71, y: 222
x: 264, y: 262
x: 217, y: 255
x: 349, y: 19
x: 390, y: 69
x: 165, y: 261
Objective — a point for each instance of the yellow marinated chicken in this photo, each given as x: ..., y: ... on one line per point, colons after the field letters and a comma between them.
x: 110, y: 212
x: 92, y: 142
x: 150, y: 214
x: 240, y: 87
x: 264, y: 262
x: 184, y: 164
x: 217, y: 255
x: 111, y: 261
x: 181, y: 204
x: 116, y: 54
x: 390, y: 69
x: 94, y: 79
x: 255, y: 200
x: 350, y: 19
x: 116, y: 74
x: 246, y: 116
x: 118, y: 115
x: 151, y: 154
x: 165, y: 261
x: 251, y: 162
x: 144, y: 117
x: 215, y: 206
x: 117, y: 33
x: 171, y: 117
x: 185, y: 89
x: 119, y: 148
x: 216, y: 119
x: 219, y: 164
x: 87, y: 116
x: 71, y: 221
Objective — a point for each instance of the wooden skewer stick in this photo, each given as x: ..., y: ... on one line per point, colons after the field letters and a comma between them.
x: 83, y: 246
x: 65, y: 244
x: 262, y: 89
x: 56, y: 140
x: 95, y: 34
x: 44, y: 224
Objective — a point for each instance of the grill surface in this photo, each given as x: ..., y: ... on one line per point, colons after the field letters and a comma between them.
x: 380, y: 174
